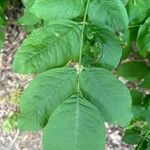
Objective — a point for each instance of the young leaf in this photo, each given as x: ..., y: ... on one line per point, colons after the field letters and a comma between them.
x: 111, y: 13
x: 75, y: 125
x: 110, y: 48
x: 49, y: 47
x: 143, y: 38
x: 104, y: 91
x: 55, y: 9
x: 133, y: 70
x: 44, y: 95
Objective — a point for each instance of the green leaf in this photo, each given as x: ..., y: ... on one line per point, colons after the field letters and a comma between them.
x: 52, y: 101
x: 111, y: 13
x: 26, y: 19
x: 75, y: 125
x: 28, y: 3
x: 125, y: 1
x: 44, y: 95
x: 2, y: 17
x: 139, y: 113
x: 10, y: 122
x: 146, y: 102
x: 137, y: 97
x: 109, y: 47
x: 55, y: 9
x: 3, y: 3
x: 146, y: 82
x: 132, y: 137
x: 2, y: 21
x: 137, y: 10
x: 125, y: 40
x: 2, y: 39
x: 28, y: 16
x: 106, y: 92
x: 133, y: 70
x: 49, y: 47
x: 143, y: 38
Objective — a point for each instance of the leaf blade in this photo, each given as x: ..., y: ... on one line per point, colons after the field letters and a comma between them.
x: 112, y: 13
x: 143, y: 38
x: 55, y: 9
x: 110, y: 48
x: 107, y: 93
x: 133, y: 70
x: 41, y: 97
x: 76, y: 122
x: 55, y: 45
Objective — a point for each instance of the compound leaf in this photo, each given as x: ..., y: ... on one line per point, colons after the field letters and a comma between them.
x: 49, y: 47
x: 75, y: 125
x: 44, y: 95
x: 56, y: 9
x: 111, y: 13
x: 106, y: 93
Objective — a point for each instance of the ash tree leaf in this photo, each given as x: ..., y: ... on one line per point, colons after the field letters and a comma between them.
x: 143, y: 38
x: 56, y: 9
x: 51, y: 101
x: 111, y: 13
x: 137, y: 10
x: 109, y: 46
x: 106, y: 93
x: 44, y: 95
x: 133, y: 70
x: 49, y: 47
x: 75, y: 125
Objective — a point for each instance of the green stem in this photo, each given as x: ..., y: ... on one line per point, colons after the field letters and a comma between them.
x: 82, y: 33
x: 134, y: 26
x: 141, y: 143
x: 84, y: 23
